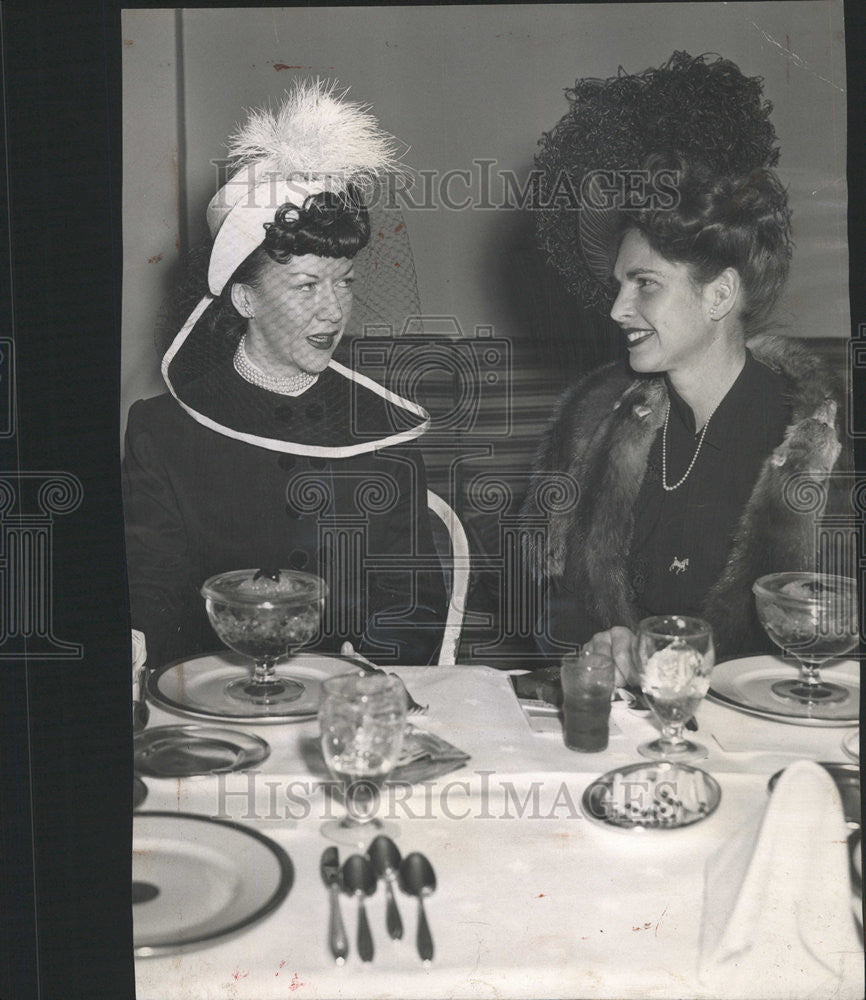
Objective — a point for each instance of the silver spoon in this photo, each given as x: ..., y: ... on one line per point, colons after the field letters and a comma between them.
x: 359, y: 881
x: 385, y: 857
x: 418, y: 879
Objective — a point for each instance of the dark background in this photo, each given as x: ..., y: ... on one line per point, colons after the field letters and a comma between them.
x: 65, y: 788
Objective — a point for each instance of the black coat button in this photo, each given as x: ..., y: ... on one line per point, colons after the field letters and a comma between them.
x: 291, y: 512
x: 318, y: 463
x: 298, y: 559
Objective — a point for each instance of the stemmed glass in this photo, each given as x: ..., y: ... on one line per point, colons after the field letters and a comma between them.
x: 813, y: 617
x: 265, y: 615
x: 675, y: 658
x: 362, y: 719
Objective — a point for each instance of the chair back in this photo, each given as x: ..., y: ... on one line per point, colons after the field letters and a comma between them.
x: 457, y: 572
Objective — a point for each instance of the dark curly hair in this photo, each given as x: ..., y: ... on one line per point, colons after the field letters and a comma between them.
x: 702, y: 106
x: 742, y: 222
x: 327, y: 225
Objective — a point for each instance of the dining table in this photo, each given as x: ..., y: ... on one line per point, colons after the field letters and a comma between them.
x: 533, y: 897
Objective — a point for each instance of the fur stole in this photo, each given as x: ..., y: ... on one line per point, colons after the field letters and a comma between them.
x: 600, y: 437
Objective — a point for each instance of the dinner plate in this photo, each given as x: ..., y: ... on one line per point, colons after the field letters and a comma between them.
x: 851, y: 745
x: 196, y: 686
x: 651, y: 796
x: 181, y: 751
x: 196, y: 880
x: 746, y: 685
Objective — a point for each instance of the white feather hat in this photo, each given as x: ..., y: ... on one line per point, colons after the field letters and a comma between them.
x: 315, y: 141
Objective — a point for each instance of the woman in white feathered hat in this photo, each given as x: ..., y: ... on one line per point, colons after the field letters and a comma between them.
x: 264, y: 440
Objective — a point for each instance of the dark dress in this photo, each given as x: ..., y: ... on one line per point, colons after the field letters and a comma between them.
x: 683, y: 538
x: 197, y: 502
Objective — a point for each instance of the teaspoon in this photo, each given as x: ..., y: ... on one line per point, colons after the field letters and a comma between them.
x: 418, y: 879
x: 385, y: 857
x: 360, y: 881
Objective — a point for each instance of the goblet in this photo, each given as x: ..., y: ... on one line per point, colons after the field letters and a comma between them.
x: 264, y: 615
x: 812, y: 617
x: 362, y: 719
x: 675, y: 657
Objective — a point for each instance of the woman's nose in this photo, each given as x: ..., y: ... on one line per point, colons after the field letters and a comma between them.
x: 329, y: 305
x: 621, y: 310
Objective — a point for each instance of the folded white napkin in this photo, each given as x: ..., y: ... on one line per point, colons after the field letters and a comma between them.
x: 139, y: 656
x: 778, y: 919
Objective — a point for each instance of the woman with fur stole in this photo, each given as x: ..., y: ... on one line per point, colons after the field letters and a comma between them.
x: 683, y: 461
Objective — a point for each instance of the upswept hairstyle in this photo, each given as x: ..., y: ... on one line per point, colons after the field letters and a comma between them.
x: 703, y: 106
x: 742, y: 222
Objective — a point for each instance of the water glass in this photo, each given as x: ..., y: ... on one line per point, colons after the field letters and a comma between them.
x: 362, y: 719
x: 676, y: 656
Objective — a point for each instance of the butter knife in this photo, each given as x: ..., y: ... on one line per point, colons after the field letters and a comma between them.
x: 330, y: 869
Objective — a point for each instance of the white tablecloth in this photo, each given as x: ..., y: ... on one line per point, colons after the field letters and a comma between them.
x: 533, y: 900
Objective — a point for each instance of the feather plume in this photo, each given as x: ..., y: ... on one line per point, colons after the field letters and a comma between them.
x: 316, y: 133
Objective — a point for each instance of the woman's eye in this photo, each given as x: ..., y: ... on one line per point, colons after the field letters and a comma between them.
x: 306, y: 287
x: 645, y: 282
x: 347, y: 282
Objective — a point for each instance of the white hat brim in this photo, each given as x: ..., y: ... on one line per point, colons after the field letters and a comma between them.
x: 256, y: 201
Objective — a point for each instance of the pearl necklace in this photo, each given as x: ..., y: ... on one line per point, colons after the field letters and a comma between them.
x: 675, y: 486
x: 285, y: 385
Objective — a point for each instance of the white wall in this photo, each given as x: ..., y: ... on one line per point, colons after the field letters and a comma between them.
x: 151, y: 186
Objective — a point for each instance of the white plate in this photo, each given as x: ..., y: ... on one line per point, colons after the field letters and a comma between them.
x: 196, y: 686
x: 196, y: 880
x: 746, y: 685
x: 851, y: 745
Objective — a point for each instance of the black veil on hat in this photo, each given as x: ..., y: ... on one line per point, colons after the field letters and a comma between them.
x: 315, y: 142
x: 703, y: 109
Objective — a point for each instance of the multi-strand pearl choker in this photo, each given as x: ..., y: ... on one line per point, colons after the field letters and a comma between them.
x: 285, y: 385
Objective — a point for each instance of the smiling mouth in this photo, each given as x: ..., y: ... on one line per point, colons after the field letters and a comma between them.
x: 322, y: 341
x: 635, y: 337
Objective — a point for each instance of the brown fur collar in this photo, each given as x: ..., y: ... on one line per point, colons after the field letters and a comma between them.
x: 600, y: 437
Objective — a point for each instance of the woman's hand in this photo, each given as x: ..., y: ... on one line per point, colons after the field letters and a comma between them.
x: 619, y: 644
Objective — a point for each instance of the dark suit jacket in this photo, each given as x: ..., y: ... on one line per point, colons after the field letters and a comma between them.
x: 197, y: 502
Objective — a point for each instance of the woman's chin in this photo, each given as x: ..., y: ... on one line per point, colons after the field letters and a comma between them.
x: 642, y: 361
x: 316, y: 365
